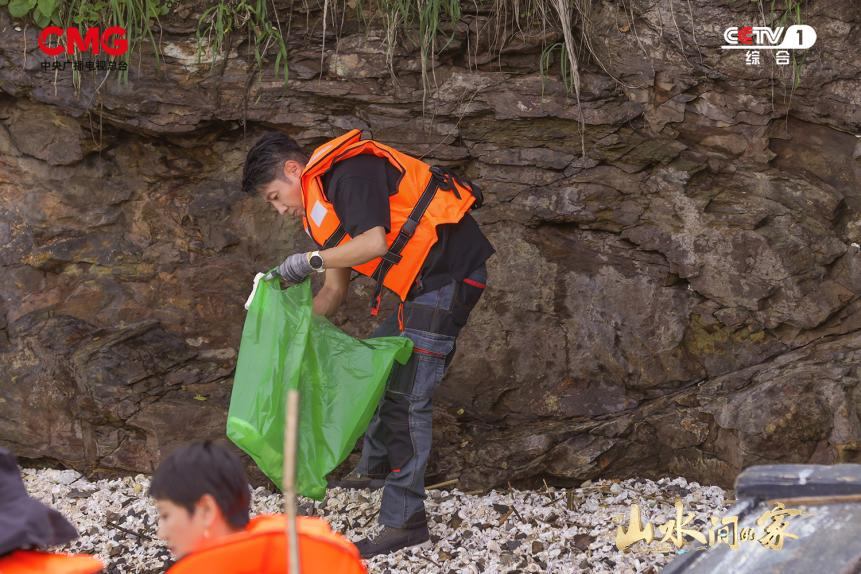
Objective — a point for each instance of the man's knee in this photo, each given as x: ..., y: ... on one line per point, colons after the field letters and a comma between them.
x: 399, y: 441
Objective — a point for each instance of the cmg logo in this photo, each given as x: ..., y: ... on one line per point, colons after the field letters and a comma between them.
x: 113, y: 41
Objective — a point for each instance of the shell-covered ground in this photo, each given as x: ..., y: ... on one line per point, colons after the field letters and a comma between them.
x: 502, y: 531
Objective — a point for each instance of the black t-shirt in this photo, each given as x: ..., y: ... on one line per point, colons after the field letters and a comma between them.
x: 359, y: 189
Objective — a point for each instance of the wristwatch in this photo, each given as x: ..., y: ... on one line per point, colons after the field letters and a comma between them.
x: 315, y: 260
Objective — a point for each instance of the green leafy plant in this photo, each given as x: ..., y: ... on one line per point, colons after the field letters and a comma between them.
x: 433, y: 24
x: 791, y: 14
x: 546, y: 59
x: 218, y: 22
x: 137, y: 17
x: 42, y: 11
x: 428, y: 18
x: 430, y: 25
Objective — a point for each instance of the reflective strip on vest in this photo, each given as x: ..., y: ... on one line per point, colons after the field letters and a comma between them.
x: 318, y: 213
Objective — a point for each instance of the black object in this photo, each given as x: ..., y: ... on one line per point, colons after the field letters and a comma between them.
x: 390, y: 539
x: 827, y: 534
x: 797, y: 480
x: 316, y: 262
x: 24, y: 521
x: 354, y: 480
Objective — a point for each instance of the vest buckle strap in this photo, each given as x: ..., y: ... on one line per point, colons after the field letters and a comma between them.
x: 446, y: 177
x: 335, y: 238
x: 392, y: 257
x: 442, y: 175
x: 409, y: 227
x: 406, y: 232
x: 476, y: 193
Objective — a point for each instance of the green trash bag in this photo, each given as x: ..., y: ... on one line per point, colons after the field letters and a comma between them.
x: 340, y: 381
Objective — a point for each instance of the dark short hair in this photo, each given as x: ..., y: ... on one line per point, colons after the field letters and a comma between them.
x: 204, y: 467
x: 265, y: 158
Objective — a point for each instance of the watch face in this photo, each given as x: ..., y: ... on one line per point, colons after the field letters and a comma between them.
x: 316, y: 262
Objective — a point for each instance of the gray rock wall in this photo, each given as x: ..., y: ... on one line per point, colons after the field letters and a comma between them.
x: 683, y: 299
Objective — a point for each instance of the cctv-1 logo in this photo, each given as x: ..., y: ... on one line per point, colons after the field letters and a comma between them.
x: 796, y: 37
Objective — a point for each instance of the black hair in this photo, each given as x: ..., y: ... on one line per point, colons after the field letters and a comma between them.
x: 265, y: 159
x: 204, y: 467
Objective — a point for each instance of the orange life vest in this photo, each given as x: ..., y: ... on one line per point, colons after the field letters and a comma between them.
x: 33, y: 562
x: 261, y: 549
x: 416, y: 209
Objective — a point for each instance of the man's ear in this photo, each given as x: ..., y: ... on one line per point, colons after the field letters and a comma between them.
x: 292, y: 168
x: 208, y: 509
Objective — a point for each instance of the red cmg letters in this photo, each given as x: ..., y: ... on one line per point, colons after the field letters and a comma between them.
x: 113, y: 41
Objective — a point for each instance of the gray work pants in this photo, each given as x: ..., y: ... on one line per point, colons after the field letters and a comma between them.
x: 398, y: 440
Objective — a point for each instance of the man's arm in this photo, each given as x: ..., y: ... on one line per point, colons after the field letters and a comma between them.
x: 338, y: 261
x: 360, y: 249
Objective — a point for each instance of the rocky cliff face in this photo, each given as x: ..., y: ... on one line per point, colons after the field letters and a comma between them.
x: 683, y: 299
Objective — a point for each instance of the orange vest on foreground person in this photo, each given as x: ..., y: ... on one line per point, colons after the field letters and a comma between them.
x: 416, y: 209
x: 261, y: 549
x: 32, y: 562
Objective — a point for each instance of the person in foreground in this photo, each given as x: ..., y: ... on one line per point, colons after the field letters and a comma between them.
x: 27, y: 526
x: 203, y: 501
x: 389, y: 216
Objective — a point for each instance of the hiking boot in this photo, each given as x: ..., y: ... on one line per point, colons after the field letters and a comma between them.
x: 390, y: 539
x: 354, y: 479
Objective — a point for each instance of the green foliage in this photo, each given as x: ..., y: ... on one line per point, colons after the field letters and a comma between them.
x: 546, y: 58
x: 433, y: 23
x: 427, y: 17
x: 430, y: 24
x: 136, y: 16
x: 218, y: 22
x: 791, y: 14
x: 791, y: 9
x: 20, y: 8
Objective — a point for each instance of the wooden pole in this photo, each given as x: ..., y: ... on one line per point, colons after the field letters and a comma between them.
x: 442, y: 484
x: 289, y: 479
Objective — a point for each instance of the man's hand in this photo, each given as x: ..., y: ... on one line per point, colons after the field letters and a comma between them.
x: 333, y: 292
x: 295, y: 268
